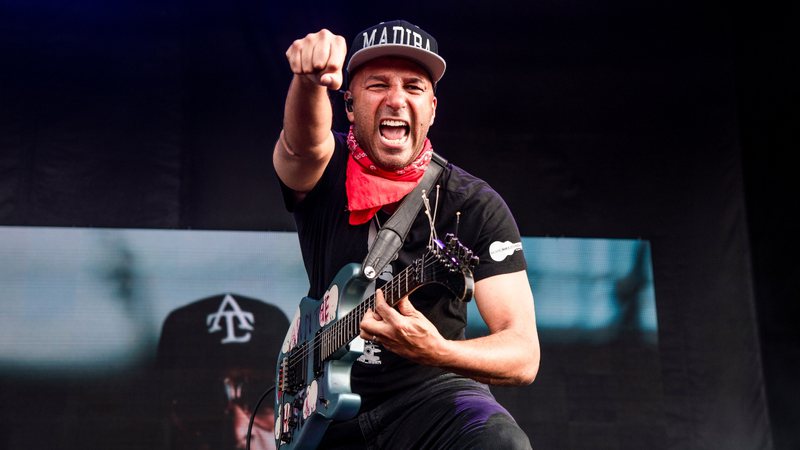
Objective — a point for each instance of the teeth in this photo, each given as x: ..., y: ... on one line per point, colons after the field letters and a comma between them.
x: 393, y: 123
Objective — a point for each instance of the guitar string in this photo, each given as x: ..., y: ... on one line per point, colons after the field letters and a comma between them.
x: 345, y: 324
x: 336, y: 329
x: 349, y: 323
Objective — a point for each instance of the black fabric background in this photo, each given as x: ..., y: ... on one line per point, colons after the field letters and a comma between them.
x: 667, y: 121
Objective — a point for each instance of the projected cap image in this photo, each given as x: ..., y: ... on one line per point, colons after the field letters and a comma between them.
x: 217, y: 357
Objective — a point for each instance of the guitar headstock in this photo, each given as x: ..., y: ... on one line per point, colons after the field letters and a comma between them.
x: 454, y: 255
x: 458, y: 261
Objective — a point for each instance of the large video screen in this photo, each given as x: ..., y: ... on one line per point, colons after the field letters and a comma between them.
x: 89, y: 308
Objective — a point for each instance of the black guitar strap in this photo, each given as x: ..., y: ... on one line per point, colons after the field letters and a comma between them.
x: 390, y: 238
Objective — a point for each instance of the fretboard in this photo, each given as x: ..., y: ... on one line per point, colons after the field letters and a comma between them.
x: 347, y: 327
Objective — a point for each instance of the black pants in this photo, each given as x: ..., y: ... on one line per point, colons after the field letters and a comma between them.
x: 447, y: 412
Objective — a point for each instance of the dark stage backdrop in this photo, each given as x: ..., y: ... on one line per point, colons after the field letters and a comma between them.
x: 592, y: 119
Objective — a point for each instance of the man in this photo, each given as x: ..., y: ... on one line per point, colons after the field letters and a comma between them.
x: 417, y: 377
x: 215, y: 356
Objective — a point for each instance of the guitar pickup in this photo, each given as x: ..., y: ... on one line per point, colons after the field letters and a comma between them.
x: 318, y: 358
x: 291, y: 375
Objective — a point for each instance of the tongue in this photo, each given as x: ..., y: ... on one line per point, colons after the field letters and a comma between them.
x: 393, y: 133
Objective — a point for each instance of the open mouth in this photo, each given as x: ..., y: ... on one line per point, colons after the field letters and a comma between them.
x: 394, y: 131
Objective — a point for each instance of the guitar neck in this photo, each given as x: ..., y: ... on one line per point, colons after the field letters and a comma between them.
x: 347, y: 327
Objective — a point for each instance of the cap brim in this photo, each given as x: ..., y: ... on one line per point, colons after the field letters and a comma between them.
x: 431, y: 62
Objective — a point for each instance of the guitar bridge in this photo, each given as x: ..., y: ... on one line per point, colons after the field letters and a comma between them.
x: 290, y: 375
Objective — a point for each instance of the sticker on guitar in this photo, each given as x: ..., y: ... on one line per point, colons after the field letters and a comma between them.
x: 330, y: 302
x: 310, y: 402
x: 290, y: 341
x: 282, y: 420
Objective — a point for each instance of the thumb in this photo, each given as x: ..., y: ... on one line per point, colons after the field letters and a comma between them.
x: 331, y: 80
x: 405, y: 307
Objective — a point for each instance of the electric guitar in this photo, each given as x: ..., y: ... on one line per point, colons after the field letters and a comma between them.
x: 313, y: 371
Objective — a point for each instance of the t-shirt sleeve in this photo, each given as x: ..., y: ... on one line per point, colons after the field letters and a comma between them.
x: 497, y: 241
x: 334, y: 170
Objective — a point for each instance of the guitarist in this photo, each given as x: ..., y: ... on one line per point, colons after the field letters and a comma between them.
x: 421, y: 382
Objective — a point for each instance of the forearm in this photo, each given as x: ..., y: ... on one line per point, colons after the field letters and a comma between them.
x: 306, y: 143
x: 308, y: 118
x: 507, y: 357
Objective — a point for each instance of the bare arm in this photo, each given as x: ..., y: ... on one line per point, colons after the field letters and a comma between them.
x: 306, y: 144
x: 509, y: 355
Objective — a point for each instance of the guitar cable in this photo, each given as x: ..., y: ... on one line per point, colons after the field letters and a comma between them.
x: 253, y: 415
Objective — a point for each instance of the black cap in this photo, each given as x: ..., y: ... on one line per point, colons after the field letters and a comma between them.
x: 222, y: 331
x: 397, y: 38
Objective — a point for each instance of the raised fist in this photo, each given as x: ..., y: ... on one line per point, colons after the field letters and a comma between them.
x: 319, y: 57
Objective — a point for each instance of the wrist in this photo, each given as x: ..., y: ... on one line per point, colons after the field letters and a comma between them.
x: 443, y: 352
x: 309, y: 82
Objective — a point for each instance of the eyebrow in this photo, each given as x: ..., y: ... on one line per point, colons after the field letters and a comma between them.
x: 406, y: 80
x: 415, y: 79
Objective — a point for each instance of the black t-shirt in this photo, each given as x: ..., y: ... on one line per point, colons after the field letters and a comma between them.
x: 328, y: 242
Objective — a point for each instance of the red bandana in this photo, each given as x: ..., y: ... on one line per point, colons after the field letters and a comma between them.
x: 370, y: 188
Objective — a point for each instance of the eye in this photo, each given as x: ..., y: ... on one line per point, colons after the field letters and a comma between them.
x: 377, y: 86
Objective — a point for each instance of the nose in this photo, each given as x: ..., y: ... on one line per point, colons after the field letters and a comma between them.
x: 396, y: 98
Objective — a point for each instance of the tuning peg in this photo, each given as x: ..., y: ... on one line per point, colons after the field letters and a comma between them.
x: 474, y: 261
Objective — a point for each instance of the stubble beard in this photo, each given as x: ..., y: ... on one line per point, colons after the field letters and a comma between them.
x: 380, y: 160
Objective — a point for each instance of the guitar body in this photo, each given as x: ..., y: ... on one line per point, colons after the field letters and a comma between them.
x: 303, y: 412
x: 314, y: 365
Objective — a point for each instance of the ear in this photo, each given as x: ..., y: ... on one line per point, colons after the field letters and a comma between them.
x: 433, y: 114
x: 348, y: 106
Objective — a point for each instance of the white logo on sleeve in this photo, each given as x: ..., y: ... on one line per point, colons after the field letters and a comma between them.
x: 501, y: 250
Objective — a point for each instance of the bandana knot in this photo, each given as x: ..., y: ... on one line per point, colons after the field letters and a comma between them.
x: 370, y: 188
